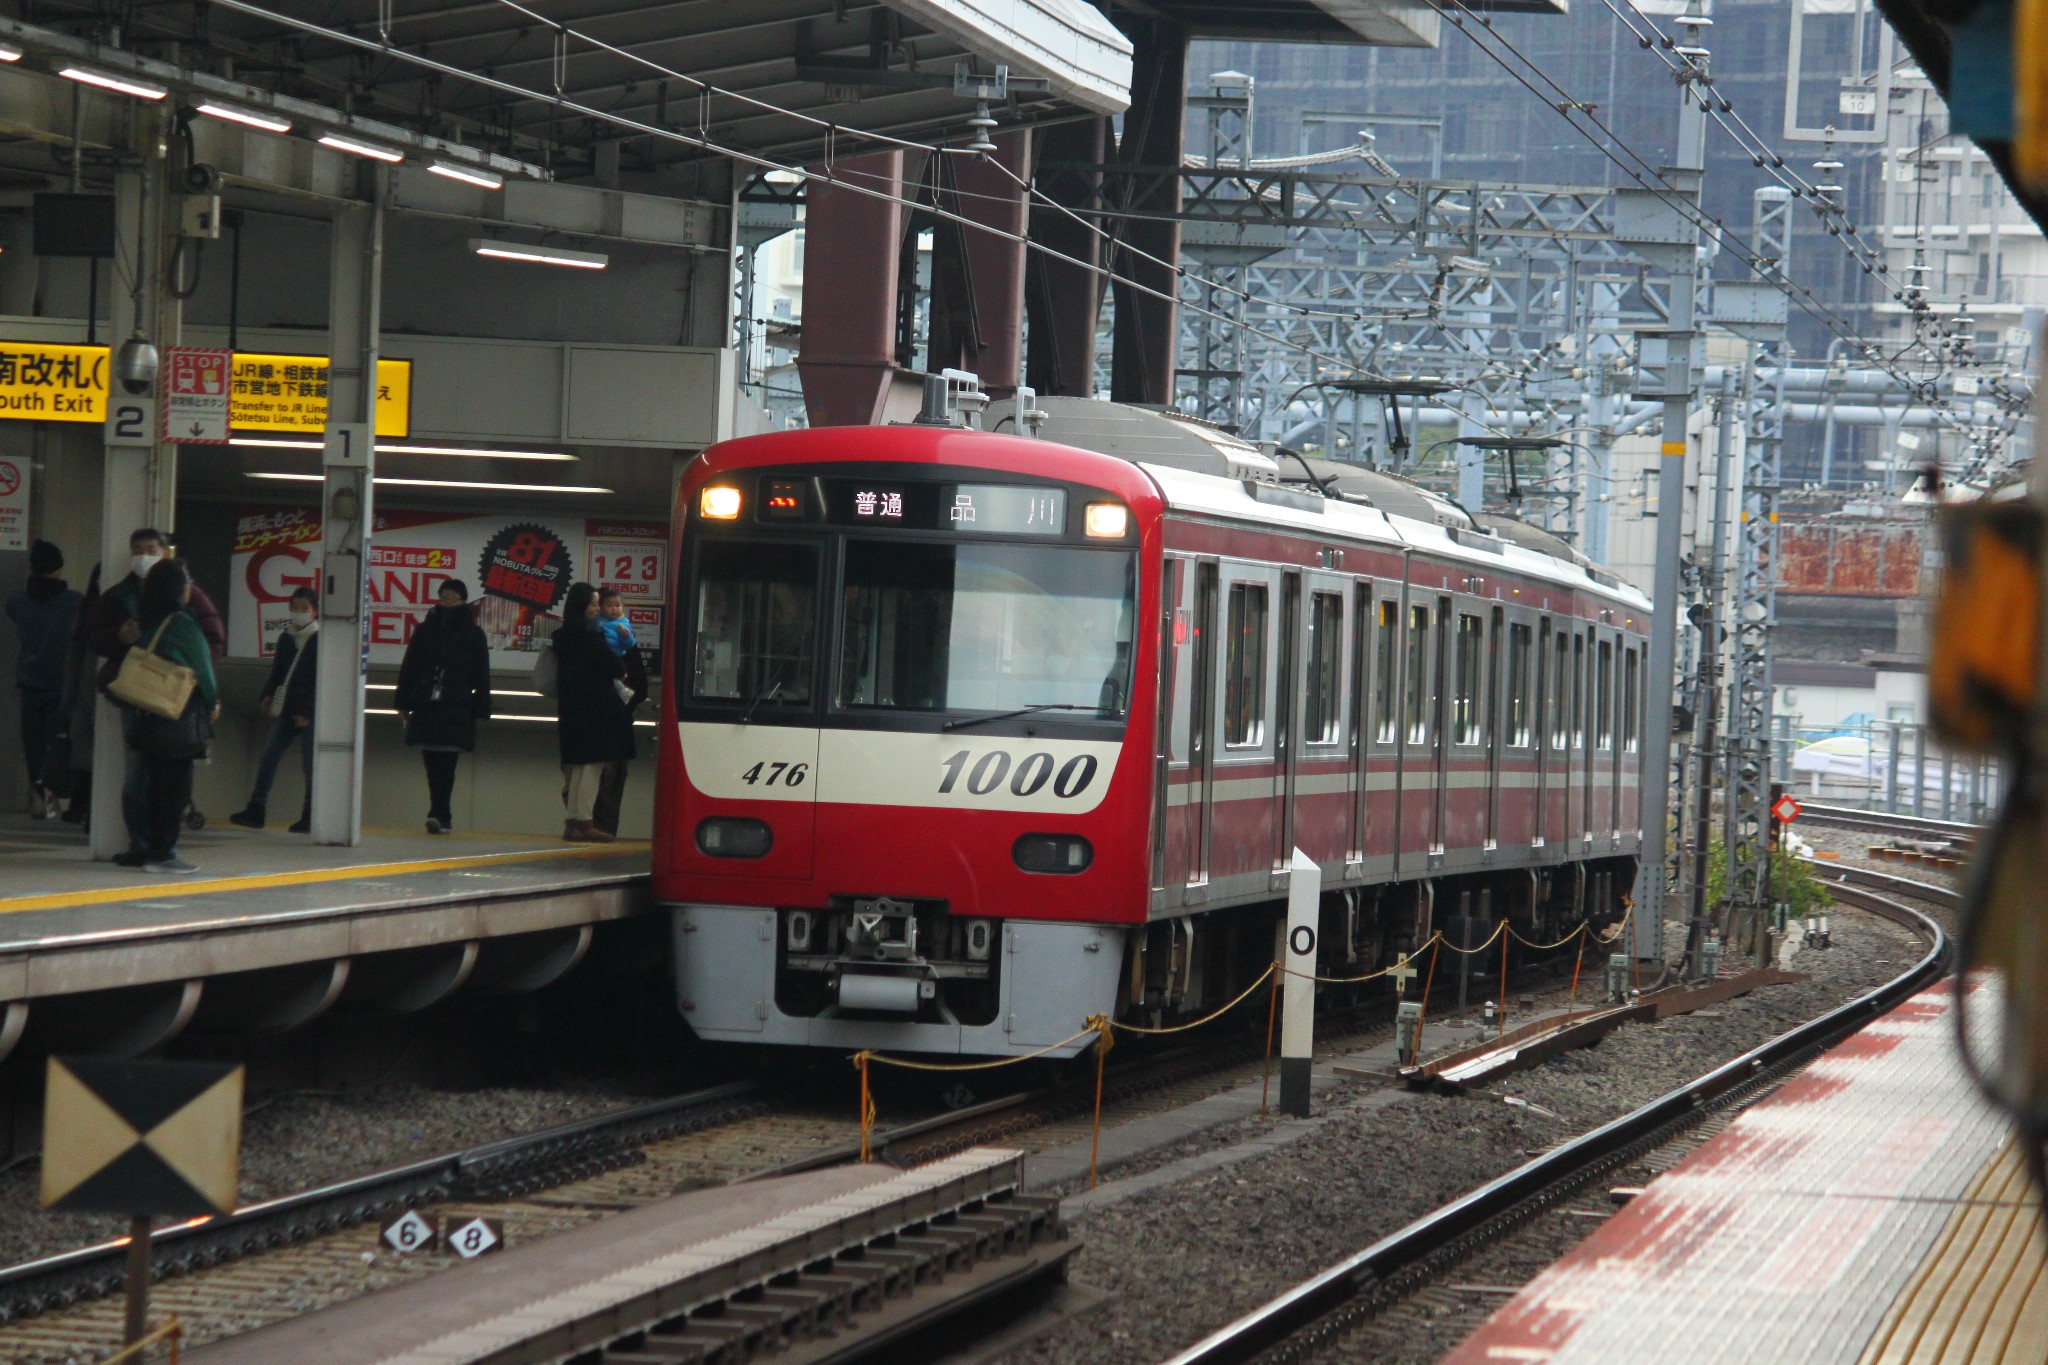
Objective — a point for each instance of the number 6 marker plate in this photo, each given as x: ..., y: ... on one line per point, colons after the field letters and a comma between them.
x: 409, y: 1232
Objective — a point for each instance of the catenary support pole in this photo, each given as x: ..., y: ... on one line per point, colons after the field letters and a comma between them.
x: 1298, y: 995
x: 1648, y: 921
x: 348, y: 461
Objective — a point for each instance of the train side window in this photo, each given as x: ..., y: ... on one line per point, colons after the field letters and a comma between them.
x: 1414, y: 701
x: 1603, y: 699
x: 1383, y: 674
x: 1323, y: 719
x: 1519, y: 728
x: 1578, y: 691
x: 1560, y: 692
x: 1465, y: 694
x: 1244, y: 675
x: 1631, y: 690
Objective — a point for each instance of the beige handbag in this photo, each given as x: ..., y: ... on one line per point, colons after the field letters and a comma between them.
x: 149, y: 682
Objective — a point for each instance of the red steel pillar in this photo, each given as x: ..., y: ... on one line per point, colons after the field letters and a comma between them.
x: 992, y: 190
x: 1147, y: 325
x: 1065, y: 300
x: 851, y: 244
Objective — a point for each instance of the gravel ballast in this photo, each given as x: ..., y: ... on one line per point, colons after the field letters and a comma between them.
x: 1181, y: 1260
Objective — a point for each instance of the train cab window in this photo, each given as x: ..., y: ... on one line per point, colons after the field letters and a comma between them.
x: 1415, y: 695
x: 1519, y: 727
x: 1631, y: 696
x: 1560, y: 692
x: 1384, y: 661
x: 1603, y: 699
x: 1244, y: 673
x: 1465, y: 693
x: 754, y: 623
x: 1323, y: 722
x: 986, y: 627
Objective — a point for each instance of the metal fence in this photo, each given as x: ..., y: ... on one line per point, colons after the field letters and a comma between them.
x: 1892, y: 766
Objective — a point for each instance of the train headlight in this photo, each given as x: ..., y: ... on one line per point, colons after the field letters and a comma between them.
x: 1066, y: 853
x: 1107, y: 520
x: 720, y: 502
x: 724, y: 836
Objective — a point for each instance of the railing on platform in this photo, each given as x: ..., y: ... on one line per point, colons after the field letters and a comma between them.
x: 1892, y: 766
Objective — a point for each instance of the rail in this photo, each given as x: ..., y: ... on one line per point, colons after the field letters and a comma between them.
x: 1440, y: 1232
x: 1882, y: 822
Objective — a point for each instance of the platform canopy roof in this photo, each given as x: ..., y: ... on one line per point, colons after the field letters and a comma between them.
x: 549, y: 82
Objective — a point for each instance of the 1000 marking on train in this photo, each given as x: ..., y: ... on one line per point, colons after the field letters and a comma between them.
x: 1026, y: 778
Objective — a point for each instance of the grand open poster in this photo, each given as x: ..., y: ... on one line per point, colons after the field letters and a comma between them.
x: 518, y: 568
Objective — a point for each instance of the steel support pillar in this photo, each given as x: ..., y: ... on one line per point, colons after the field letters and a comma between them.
x: 1064, y: 301
x: 1147, y: 324
x: 354, y: 318
x: 990, y: 191
x: 128, y: 496
x: 1651, y: 870
x: 851, y: 239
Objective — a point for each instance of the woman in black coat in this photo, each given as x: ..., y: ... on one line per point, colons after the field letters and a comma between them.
x: 444, y: 689
x: 594, y: 725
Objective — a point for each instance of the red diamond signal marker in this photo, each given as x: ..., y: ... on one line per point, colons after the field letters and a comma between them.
x: 1786, y: 809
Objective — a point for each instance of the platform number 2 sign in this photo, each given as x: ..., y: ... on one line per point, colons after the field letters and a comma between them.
x: 131, y: 421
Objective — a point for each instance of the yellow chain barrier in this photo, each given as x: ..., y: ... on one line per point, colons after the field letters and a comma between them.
x: 1105, y: 1039
x: 1546, y: 947
x: 1498, y: 930
x: 1205, y: 1019
x: 1407, y: 960
x: 172, y: 1332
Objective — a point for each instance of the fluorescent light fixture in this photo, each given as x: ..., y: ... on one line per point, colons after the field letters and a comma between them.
x: 9, y: 53
x: 443, y: 483
x: 273, y: 443
x: 468, y: 175
x: 354, y: 148
x: 534, y: 720
x: 545, y: 255
x: 285, y: 443
x: 248, y: 118
x: 106, y: 80
x: 383, y: 449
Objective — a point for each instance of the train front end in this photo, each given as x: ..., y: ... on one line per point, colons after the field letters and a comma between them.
x: 906, y: 762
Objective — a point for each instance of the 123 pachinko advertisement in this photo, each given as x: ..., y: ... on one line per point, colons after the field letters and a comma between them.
x: 518, y: 568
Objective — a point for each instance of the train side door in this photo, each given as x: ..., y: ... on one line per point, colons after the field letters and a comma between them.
x: 1287, y: 724
x: 1202, y: 728
x: 1358, y: 714
x: 1164, y: 726
x: 1539, y: 835
x: 1439, y: 725
x: 1494, y: 728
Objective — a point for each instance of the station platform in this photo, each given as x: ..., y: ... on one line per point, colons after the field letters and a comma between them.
x: 1873, y: 1211
x: 283, y: 927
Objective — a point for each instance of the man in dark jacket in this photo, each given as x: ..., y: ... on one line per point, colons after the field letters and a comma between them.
x: 288, y: 699
x: 43, y: 611
x: 444, y: 689
x: 112, y: 627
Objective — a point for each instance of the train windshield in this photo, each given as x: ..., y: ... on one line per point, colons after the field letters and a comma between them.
x: 995, y: 627
x: 756, y: 623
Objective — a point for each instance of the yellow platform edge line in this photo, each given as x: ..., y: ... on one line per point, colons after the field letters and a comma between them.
x: 156, y: 889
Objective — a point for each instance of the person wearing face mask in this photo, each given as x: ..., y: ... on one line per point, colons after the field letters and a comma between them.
x: 444, y: 689
x: 113, y: 627
x: 288, y: 698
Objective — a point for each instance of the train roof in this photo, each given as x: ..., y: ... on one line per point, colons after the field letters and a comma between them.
x: 1193, y: 491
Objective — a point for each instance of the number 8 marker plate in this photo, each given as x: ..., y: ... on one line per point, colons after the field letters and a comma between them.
x: 476, y: 1237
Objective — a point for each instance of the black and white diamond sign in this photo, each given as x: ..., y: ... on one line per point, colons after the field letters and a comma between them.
x: 410, y: 1232
x: 476, y: 1237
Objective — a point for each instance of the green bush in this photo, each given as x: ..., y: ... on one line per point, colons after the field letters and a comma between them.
x: 1792, y: 881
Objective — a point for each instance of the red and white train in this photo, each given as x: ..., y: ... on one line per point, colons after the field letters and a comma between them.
x: 974, y: 735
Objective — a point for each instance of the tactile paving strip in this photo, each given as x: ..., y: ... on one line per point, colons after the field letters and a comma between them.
x: 1789, y: 1237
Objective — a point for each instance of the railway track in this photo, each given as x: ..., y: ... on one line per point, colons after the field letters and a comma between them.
x: 1409, y: 1263
x: 1963, y: 835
